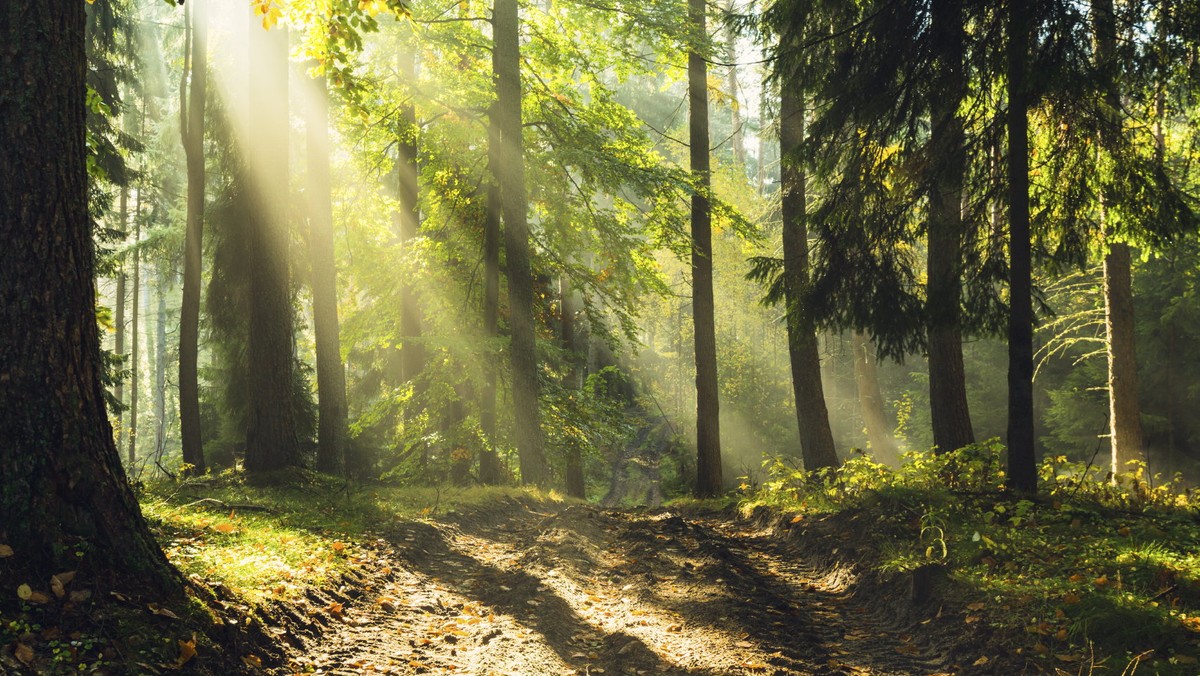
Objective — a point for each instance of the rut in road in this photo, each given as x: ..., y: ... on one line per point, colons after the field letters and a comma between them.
x: 589, y: 591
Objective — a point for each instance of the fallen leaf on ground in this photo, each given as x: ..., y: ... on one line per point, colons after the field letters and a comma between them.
x: 24, y: 653
x: 981, y: 661
x: 24, y: 592
x: 187, y: 650
x: 162, y: 612
x: 5, y: 551
x: 252, y: 661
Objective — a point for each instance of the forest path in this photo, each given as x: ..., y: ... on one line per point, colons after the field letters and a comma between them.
x: 582, y: 590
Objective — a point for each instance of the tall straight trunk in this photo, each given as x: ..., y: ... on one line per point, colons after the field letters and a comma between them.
x: 134, y: 353
x: 64, y: 490
x: 949, y: 413
x: 160, y: 366
x: 816, y: 437
x: 408, y: 221
x: 866, y: 377
x: 738, y: 136
x: 573, y: 380
x: 708, y: 429
x: 489, y: 461
x: 271, y: 441
x: 119, y: 318
x: 331, y: 374
x: 523, y: 347
x: 1125, y: 417
x: 1022, y: 459
x: 193, y: 247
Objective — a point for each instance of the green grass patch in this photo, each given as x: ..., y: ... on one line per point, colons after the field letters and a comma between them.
x: 277, y: 536
x: 1085, y: 567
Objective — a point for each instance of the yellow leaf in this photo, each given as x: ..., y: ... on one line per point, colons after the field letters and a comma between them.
x: 976, y: 606
x: 338, y: 547
x: 187, y: 650
x: 1070, y: 598
x: 5, y: 551
x: 161, y: 612
x: 253, y: 661
x: 798, y: 518
x: 226, y: 528
x: 1060, y: 635
x: 24, y: 592
x: 981, y: 661
x: 334, y: 608
x: 1123, y: 530
x: 24, y: 653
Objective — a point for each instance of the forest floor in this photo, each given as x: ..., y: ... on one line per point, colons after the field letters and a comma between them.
x: 316, y: 577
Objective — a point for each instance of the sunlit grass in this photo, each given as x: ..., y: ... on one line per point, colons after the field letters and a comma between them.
x: 264, y: 542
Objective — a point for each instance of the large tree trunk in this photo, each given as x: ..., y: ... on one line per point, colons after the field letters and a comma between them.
x: 947, y: 379
x: 64, y: 490
x: 408, y: 222
x: 160, y: 364
x: 489, y: 461
x: 331, y: 375
x: 573, y: 380
x: 523, y: 346
x: 193, y: 247
x: 1022, y: 459
x: 1125, y: 416
x: 119, y: 318
x: 271, y: 441
x: 816, y: 437
x: 708, y: 427
x: 866, y: 377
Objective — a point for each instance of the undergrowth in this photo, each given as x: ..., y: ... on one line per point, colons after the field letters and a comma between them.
x: 1102, y: 575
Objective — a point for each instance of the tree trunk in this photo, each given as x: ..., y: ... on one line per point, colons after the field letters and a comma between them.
x: 708, y: 427
x: 816, y: 437
x: 193, y: 247
x: 271, y: 441
x: 489, y: 461
x: 331, y: 374
x: 134, y: 353
x: 523, y: 346
x: 1125, y: 417
x: 949, y: 413
x: 64, y: 491
x: 408, y: 222
x: 1022, y: 459
x: 738, y: 136
x: 160, y: 365
x: 119, y: 318
x: 866, y: 377
x: 573, y: 381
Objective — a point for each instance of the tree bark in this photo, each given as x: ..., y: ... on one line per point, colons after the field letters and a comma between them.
x: 134, y: 353
x: 489, y: 461
x: 573, y: 380
x: 708, y: 427
x: 193, y: 247
x: 271, y: 441
x: 159, y: 368
x: 866, y: 377
x: 65, y: 501
x: 1022, y: 458
x: 738, y: 136
x: 523, y: 345
x: 949, y: 413
x: 1125, y: 417
x: 119, y: 317
x: 816, y: 437
x: 331, y: 374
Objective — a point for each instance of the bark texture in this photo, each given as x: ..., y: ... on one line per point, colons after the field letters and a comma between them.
x: 1022, y: 459
x: 949, y: 413
x: 331, y: 375
x: 63, y: 489
x: 271, y: 442
x: 708, y: 427
x: 573, y: 380
x: 816, y: 437
x: 193, y: 246
x: 1125, y: 414
x: 523, y: 344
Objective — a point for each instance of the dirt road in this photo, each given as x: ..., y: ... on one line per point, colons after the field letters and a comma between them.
x: 588, y: 591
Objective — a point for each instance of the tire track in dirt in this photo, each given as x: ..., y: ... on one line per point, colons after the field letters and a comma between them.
x: 580, y: 590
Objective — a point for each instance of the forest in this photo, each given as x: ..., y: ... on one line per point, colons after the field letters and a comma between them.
x: 600, y: 337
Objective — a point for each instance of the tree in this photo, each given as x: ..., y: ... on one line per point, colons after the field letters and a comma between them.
x: 816, y: 437
x: 64, y: 488
x: 708, y: 426
x: 523, y: 344
x: 271, y: 441
x: 191, y: 116
x: 870, y: 400
x: 331, y: 374
x: 947, y: 381
x: 1022, y: 460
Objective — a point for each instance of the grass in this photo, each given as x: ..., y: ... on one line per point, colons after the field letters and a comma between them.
x: 292, y: 531
x: 1091, y: 575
